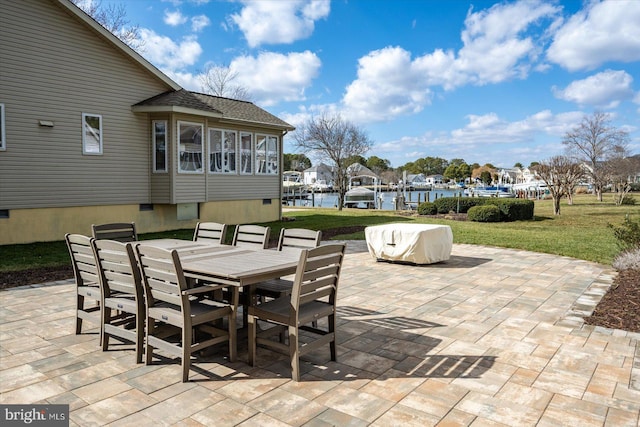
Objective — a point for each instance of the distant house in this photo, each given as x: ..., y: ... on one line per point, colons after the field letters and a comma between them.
x: 434, y: 179
x: 91, y: 132
x: 416, y: 181
x: 320, y: 172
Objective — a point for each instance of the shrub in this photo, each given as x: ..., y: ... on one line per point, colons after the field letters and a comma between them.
x: 514, y: 209
x: 486, y: 213
x: 452, y: 204
x: 628, y: 234
x: 628, y: 200
x: 627, y: 260
x: 427, y: 208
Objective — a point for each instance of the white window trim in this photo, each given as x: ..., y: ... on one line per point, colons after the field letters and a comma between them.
x: 84, y: 135
x: 222, y: 151
x: 3, y: 127
x: 166, y: 145
x: 202, y: 165
x: 278, y: 154
x: 252, y: 159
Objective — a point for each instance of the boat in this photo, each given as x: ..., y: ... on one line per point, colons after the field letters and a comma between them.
x: 491, y: 191
x: 358, y: 195
x: 293, y: 187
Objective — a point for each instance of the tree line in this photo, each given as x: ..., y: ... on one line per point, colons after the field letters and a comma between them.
x: 595, y: 151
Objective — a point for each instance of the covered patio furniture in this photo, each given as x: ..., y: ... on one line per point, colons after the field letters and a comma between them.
x: 410, y: 243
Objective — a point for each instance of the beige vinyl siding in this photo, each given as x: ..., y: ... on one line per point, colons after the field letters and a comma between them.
x: 53, y: 67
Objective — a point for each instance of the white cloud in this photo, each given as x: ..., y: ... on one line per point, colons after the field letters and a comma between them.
x: 604, y: 31
x: 535, y: 138
x: 276, y: 21
x: 272, y: 77
x: 497, y: 47
x: 198, y: 23
x: 163, y: 52
x: 174, y: 18
x: 604, y: 90
x: 389, y: 84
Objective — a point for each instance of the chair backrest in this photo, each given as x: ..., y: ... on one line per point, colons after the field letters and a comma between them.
x: 210, y: 232
x: 85, y: 268
x: 120, y: 231
x: 317, y: 275
x: 299, y: 238
x: 251, y: 235
x: 163, y: 278
x: 118, y: 268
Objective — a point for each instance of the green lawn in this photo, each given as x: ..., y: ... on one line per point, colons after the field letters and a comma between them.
x: 580, y: 231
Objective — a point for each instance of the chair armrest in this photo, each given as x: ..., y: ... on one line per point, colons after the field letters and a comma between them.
x: 199, y: 290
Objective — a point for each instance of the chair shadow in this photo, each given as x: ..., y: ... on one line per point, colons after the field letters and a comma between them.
x: 401, y: 346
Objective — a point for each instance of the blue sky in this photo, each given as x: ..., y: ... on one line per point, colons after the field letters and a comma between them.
x: 488, y: 82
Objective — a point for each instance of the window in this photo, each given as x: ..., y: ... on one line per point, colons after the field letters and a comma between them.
x: 159, y: 139
x: 246, y: 153
x: 91, y: 133
x: 3, y: 138
x: 190, y: 147
x: 267, y: 154
x: 223, y: 147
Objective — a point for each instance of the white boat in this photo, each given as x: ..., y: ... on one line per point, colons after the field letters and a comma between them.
x: 358, y: 195
x: 491, y: 191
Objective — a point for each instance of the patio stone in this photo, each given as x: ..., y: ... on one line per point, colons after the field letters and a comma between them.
x: 491, y: 337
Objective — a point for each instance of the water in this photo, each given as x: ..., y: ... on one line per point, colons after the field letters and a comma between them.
x: 330, y: 200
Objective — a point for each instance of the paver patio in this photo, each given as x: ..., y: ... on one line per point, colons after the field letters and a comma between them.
x: 491, y: 337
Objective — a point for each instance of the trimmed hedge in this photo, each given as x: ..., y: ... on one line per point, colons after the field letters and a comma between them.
x: 427, y: 208
x: 485, y: 213
x: 510, y: 209
x: 450, y: 204
x: 513, y: 209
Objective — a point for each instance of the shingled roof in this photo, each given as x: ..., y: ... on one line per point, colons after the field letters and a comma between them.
x: 224, y: 108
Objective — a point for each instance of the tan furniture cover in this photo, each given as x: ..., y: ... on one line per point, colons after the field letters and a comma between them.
x: 414, y: 243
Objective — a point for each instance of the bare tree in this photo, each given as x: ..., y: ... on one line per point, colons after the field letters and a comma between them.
x: 594, y: 141
x: 114, y: 18
x: 621, y: 170
x: 336, y: 140
x: 219, y: 81
x: 561, y: 176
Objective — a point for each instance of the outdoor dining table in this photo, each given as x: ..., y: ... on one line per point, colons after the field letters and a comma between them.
x: 229, y: 265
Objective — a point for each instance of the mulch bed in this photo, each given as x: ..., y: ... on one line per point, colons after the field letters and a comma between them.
x: 618, y: 309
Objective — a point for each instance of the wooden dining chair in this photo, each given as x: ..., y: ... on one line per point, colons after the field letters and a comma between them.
x: 170, y: 303
x: 85, y: 272
x: 313, y: 297
x: 255, y: 236
x: 213, y: 232
x: 289, y: 238
x: 120, y: 231
x: 122, y: 295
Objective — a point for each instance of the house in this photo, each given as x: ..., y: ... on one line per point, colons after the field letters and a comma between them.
x: 318, y: 173
x: 417, y: 181
x: 91, y: 132
x: 434, y: 180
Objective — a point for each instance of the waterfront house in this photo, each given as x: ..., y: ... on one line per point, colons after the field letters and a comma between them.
x: 91, y: 132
